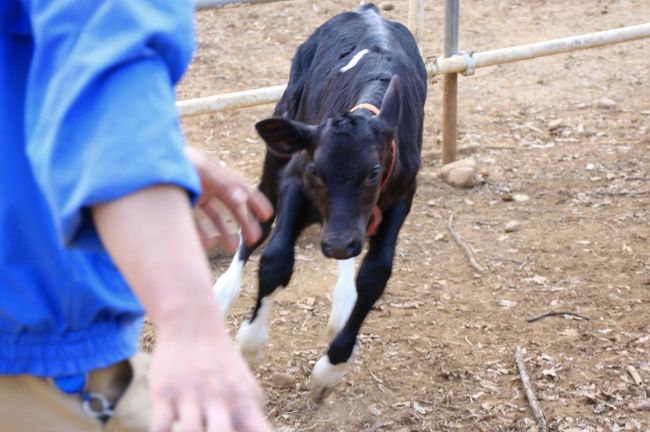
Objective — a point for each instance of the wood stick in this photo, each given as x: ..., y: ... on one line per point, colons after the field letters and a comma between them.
x: 635, y: 375
x: 554, y: 313
x: 467, y: 250
x: 530, y: 394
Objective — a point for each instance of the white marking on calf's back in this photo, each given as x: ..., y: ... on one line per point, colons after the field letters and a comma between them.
x: 358, y: 56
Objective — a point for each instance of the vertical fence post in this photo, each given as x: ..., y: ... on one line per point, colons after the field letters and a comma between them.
x: 450, y: 84
x: 416, y: 19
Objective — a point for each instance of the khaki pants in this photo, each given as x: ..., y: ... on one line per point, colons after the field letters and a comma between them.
x: 32, y: 404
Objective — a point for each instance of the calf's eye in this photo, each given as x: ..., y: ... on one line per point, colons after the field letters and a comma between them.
x: 373, y: 176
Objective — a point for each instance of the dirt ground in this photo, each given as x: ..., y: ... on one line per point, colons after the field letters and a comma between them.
x: 564, y: 144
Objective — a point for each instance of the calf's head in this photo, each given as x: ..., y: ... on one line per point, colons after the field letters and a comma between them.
x: 344, y: 161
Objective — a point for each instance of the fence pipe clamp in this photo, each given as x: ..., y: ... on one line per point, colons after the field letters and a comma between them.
x: 470, y: 63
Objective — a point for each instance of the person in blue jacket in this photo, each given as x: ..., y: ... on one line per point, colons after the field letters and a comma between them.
x: 96, y: 227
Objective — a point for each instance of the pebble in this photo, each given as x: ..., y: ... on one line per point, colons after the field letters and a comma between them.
x: 442, y: 237
x: 282, y: 380
x: 606, y: 103
x: 386, y: 6
x: 520, y: 197
x: 555, y: 124
x: 512, y: 226
x: 464, y: 177
x: 446, y: 169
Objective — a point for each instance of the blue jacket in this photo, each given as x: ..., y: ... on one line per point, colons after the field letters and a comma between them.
x: 87, y: 115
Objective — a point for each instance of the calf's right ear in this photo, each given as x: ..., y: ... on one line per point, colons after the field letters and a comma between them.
x: 284, y: 137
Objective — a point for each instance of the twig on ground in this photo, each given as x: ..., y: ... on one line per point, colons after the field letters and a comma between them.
x: 530, y: 394
x: 635, y: 375
x: 467, y: 250
x: 555, y: 313
x: 620, y: 193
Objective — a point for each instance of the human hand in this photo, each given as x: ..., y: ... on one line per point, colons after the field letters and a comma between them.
x: 222, y: 185
x: 197, y: 378
x: 199, y: 382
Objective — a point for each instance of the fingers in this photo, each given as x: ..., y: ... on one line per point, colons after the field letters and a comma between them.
x: 190, y: 418
x: 237, y: 203
x: 162, y: 414
x: 250, y: 420
x: 247, y: 205
x: 229, y: 241
x: 217, y: 418
x: 260, y: 205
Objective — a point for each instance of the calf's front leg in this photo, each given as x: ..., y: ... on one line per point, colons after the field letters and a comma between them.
x: 373, y: 275
x: 276, y: 268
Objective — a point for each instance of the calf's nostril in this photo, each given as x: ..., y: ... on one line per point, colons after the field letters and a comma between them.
x: 352, y: 247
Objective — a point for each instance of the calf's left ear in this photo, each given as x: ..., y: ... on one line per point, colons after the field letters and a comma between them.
x: 284, y: 137
x: 390, y: 106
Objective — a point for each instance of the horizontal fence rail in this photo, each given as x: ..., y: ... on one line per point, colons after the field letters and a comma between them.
x: 457, y: 63
x: 229, y: 101
x: 218, y: 4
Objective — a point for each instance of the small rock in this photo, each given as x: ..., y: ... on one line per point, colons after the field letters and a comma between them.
x: 446, y: 169
x: 520, y: 197
x: 374, y: 410
x: 464, y: 177
x: 590, y: 167
x: 443, y: 237
x: 386, y: 6
x: 555, y: 124
x: 512, y: 226
x: 282, y: 380
x: 606, y: 103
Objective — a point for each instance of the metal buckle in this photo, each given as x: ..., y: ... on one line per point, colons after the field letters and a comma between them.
x: 96, y: 405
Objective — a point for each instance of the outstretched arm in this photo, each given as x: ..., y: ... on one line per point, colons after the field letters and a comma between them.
x: 152, y: 238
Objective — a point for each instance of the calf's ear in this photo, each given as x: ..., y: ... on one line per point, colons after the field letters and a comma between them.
x: 284, y: 137
x: 390, y: 106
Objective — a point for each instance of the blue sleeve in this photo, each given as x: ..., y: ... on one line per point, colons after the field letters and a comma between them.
x: 101, y: 119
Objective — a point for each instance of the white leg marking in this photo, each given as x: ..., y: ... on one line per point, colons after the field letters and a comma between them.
x: 226, y: 289
x: 343, y: 298
x: 325, y: 377
x: 358, y: 56
x: 252, y: 335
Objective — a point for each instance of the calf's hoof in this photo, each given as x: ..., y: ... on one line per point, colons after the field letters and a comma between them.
x: 325, y: 377
x: 251, y: 340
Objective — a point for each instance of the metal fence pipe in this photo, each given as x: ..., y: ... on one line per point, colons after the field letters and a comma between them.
x: 217, y: 4
x: 229, y: 101
x: 459, y: 63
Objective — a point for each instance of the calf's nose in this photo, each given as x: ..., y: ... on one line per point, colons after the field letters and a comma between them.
x: 341, y: 248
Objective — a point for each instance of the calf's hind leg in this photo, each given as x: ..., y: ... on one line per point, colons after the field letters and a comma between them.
x: 373, y: 275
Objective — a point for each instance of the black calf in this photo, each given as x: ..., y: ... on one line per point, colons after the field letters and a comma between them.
x: 337, y: 159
